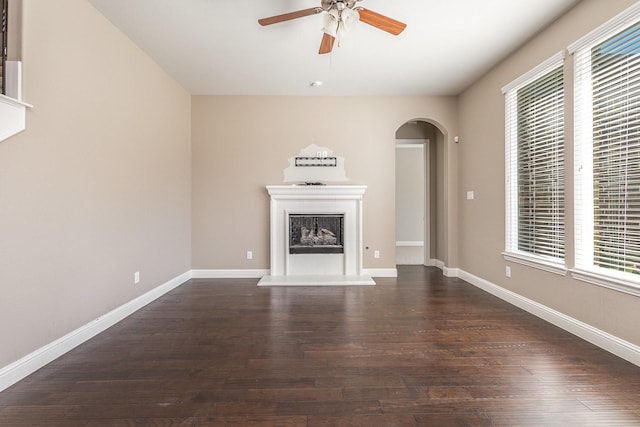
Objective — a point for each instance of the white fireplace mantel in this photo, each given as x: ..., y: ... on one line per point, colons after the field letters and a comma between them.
x: 316, y: 192
x: 316, y: 269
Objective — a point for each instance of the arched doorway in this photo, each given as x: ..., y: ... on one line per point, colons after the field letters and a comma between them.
x: 420, y: 190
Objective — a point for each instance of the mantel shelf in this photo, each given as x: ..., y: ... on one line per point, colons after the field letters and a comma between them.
x: 12, y: 116
x: 316, y: 191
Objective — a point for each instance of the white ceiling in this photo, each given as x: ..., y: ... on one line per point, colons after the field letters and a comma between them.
x: 217, y: 46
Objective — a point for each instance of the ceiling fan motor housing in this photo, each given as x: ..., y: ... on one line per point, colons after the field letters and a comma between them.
x: 338, y: 4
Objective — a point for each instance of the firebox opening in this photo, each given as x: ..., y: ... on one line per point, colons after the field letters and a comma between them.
x: 316, y: 233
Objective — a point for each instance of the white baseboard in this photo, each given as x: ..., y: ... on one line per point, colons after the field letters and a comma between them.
x: 436, y: 263
x: 30, y: 363
x: 381, y: 272
x: 229, y: 274
x: 410, y: 243
x: 604, y: 340
x: 447, y: 271
x: 451, y: 272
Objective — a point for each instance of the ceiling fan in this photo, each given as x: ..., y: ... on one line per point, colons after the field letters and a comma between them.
x: 340, y: 16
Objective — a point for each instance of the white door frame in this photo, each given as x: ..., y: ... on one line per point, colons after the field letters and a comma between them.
x: 424, y: 143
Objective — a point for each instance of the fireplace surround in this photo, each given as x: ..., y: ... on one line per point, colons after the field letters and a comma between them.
x: 316, y: 235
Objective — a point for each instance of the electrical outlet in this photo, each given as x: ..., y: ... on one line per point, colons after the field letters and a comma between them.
x: 249, y: 255
x: 507, y: 271
x: 136, y: 277
x: 376, y: 254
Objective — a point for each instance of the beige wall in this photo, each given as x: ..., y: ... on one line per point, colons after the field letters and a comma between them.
x: 97, y: 187
x: 241, y: 144
x: 481, y: 165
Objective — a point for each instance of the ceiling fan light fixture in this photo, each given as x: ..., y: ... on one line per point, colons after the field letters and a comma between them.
x: 349, y: 19
x: 331, y: 23
x: 339, y: 22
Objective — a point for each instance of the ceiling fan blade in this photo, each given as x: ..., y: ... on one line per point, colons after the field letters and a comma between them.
x: 380, y: 21
x: 326, y: 45
x: 289, y: 16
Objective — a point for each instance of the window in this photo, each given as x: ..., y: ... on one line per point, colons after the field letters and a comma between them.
x: 607, y: 154
x: 535, y: 167
x: 3, y: 46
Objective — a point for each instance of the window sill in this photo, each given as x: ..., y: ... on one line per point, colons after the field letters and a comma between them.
x: 15, y: 102
x: 530, y: 261
x: 620, y: 285
x: 12, y: 116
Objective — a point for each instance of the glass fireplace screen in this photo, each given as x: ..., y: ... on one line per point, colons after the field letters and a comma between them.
x: 316, y: 233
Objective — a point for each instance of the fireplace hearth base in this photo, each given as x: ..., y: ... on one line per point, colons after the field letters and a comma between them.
x: 317, y: 280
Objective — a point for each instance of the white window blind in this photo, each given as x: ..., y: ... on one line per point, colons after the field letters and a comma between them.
x: 535, y: 164
x: 607, y: 154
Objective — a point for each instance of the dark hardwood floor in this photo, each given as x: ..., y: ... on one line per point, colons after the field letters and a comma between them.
x: 420, y: 350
